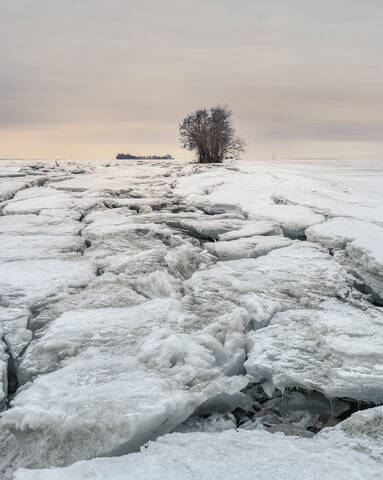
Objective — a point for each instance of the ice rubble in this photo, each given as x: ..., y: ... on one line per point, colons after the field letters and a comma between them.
x: 248, y: 193
x: 99, y: 371
x: 336, y: 454
x: 146, y: 327
x: 298, y: 275
x: 363, y: 244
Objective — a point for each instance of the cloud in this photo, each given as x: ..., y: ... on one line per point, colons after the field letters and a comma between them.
x: 291, y: 71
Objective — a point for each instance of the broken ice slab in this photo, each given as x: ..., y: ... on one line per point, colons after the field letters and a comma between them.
x: 253, y: 247
x: 103, y: 369
x: 335, y: 350
x: 350, y: 453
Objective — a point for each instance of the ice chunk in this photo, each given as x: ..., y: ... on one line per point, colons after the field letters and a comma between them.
x: 261, y: 227
x: 294, y: 219
x: 247, y: 247
x: 3, y: 375
x: 30, y: 247
x: 336, y: 351
x: 33, y: 281
x: 117, y: 378
x: 36, y: 224
x: 337, y: 232
x: 225, y: 455
x: 14, y: 329
x: 364, y: 248
x: 365, y: 254
x: 10, y: 186
x: 300, y: 274
x: 210, y: 229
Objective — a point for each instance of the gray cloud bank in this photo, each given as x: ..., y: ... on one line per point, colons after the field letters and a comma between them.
x: 301, y: 76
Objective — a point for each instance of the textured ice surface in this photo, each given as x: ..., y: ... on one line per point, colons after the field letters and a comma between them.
x: 120, y: 342
x: 255, y: 246
x: 31, y: 247
x: 109, y: 380
x: 363, y: 243
x: 32, y: 282
x: 253, y: 228
x: 37, y: 225
x: 298, y: 275
x: 236, y: 454
x: 336, y: 350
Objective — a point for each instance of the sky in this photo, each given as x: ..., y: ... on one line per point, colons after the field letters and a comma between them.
x: 86, y: 79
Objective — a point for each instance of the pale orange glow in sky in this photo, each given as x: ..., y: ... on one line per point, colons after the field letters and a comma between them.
x: 91, y: 78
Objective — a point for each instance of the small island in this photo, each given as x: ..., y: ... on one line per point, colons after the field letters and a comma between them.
x: 128, y: 156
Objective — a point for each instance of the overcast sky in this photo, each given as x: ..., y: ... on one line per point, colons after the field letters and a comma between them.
x: 90, y: 78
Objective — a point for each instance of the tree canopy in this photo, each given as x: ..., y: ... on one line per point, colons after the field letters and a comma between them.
x: 211, y: 135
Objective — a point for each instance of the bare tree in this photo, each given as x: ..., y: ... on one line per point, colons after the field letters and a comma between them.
x: 211, y: 134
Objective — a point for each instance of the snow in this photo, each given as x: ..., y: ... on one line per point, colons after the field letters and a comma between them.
x: 298, y: 275
x: 226, y: 455
x: 363, y: 244
x: 37, y: 224
x: 98, y: 373
x: 255, y: 246
x: 142, y: 298
x: 251, y: 229
x: 9, y: 187
x: 14, y: 329
x: 32, y: 282
x: 30, y: 247
x: 336, y: 350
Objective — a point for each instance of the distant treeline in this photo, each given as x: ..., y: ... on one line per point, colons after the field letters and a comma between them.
x: 127, y: 156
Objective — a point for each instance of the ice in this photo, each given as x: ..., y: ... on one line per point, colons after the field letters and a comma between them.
x: 9, y: 187
x: 98, y: 374
x: 363, y: 243
x: 32, y: 282
x: 366, y: 256
x: 336, y: 350
x: 363, y: 432
x: 14, y: 329
x: 32, y: 201
x: 3, y: 375
x: 294, y: 219
x: 37, y: 224
x: 337, y: 232
x: 226, y: 455
x: 255, y: 246
x: 251, y: 194
x: 254, y: 228
x: 300, y: 275
x: 117, y: 224
x: 38, y: 199
x: 135, y: 295
x: 31, y: 247
x: 210, y: 229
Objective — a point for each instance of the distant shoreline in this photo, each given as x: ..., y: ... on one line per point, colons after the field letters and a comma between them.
x: 128, y: 156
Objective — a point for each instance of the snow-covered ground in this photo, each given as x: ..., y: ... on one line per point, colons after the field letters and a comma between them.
x: 229, y: 315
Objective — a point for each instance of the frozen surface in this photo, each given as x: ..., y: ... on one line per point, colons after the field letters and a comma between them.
x: 31, y: 247
x: 245, y: 247
x: 336, y: 350
x: 138, y: 298
x: 363, y: 244
x: 30, y: 282
x: 233, y: 454
x: 37, y: 224
x: 109, y: 365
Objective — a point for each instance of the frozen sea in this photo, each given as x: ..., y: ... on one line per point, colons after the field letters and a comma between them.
x: 167, y: 320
